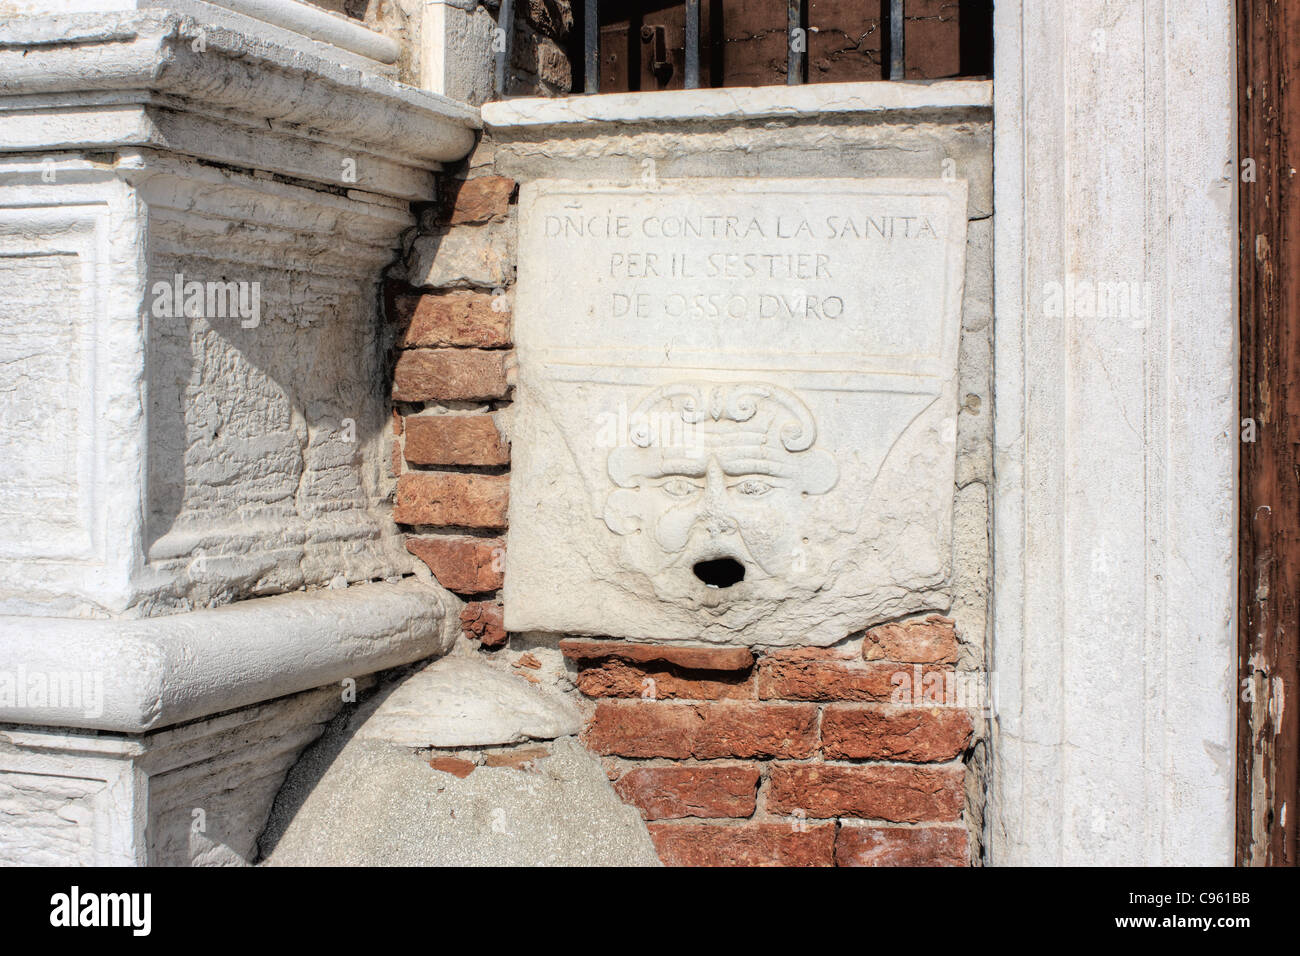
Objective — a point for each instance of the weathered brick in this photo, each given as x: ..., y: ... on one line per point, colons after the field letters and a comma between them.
x: 481, y: 199
x: 827, y: 675
x: 897, y: 793
x: 517, y: 758
x: 483, y: 621
x: 452, y: 499
x: 929, y: 641
x: 901, y: 846
x: 695, y: 658
x: 425, y: 375
x: 465, y: 319
x: 704, y: 731
x: 696, y: 790
x: 456, y: 766
x: 455, y: 440
x: 745, y: 844
x: 889, y: 732
x: 616, y: 678
x: 460, y: 563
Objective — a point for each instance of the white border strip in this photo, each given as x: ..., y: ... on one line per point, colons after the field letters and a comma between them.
x: 816, y: 99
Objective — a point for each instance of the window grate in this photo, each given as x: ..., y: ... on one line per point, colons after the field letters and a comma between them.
x: 641, y: 45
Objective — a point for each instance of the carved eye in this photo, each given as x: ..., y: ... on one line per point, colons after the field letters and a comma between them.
x: 754, y: 487
x: 680, y: 487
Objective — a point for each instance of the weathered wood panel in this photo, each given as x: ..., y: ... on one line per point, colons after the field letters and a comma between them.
x: 1268, y: 732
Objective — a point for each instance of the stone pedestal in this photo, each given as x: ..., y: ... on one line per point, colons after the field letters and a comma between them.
x: 193, y: 222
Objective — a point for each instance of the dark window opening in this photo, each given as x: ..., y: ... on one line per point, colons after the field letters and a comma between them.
x: 642, y: 43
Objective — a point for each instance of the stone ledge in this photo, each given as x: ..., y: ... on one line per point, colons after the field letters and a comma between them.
x: 741, y: 103
x: 125, y: 78
x: 164, y: 670
x: 299, y: 24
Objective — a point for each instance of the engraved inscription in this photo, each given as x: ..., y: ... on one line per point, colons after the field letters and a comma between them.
x: 685, y: 259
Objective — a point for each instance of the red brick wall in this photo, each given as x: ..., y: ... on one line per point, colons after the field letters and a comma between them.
x: 806, y: 756
x: 802, y: 756
x: 450, y: 378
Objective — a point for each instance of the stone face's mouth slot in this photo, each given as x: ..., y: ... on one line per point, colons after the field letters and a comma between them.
x: 720, y: 572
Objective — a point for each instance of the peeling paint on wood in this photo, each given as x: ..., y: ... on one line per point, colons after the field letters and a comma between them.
x: 1268, y: 732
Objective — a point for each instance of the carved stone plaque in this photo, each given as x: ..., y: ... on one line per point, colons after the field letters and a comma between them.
x: 736, y: 407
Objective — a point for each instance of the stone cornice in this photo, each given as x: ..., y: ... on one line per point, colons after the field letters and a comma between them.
x: 742, y: 104
x: 164, y: 63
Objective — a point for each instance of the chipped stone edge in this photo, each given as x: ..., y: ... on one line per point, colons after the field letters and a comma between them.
x: 165, y: 670
x: 742, y: 103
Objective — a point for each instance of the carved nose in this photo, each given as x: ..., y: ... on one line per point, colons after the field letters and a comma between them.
x: 718, y: 524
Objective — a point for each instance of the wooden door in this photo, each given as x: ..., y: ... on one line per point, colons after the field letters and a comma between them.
x: 1268, y: 727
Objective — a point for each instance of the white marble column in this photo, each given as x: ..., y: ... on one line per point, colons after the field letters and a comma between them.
x: 1114, y: 648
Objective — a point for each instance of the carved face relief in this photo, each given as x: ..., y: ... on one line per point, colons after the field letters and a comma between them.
x: 723, y: 495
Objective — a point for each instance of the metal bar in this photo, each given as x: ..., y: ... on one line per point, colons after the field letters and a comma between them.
x: 692, y: 44
x: 506, y: 24
x: 591, y: 48
x: 896, y: 40
x: 796, y: 43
